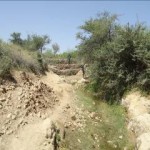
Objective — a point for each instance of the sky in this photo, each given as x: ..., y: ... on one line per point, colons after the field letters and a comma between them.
x: 60, y: 20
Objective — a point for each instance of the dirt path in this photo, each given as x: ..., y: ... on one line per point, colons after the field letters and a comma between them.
x: 64, y: 92
x: 33, y: 135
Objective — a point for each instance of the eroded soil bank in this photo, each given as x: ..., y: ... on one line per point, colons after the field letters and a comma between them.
x: 34, y: 110
x: 138, y: 108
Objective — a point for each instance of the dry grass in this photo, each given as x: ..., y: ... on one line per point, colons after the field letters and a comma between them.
x: 13, y: 56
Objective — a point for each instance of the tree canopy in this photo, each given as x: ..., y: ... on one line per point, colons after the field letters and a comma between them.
x: 56, y: 48
x: 36, y: 42
x: 33, y: 42
x: 16, y: 38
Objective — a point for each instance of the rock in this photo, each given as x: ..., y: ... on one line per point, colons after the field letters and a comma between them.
x: 73, y: 117
x: 73, y: 129
x: 120, y: 137
x: 9, y: 115
x: 64, y: 110
x: 2, y: 99
x: 12, y: 87
x: 20, y: 122
x: 79, y: 141
x: 9, y: 97
x: 80, y: 125
x: 111, y: 143
x: 1, y: 133
x: 73, y: 82
x: 125, y: 148
x: 3, y: 90
x: 39, y: 114
x: 16, y: 112
x: 56, y: 100
x: 96, y: 118
x: 13, y: 117
x: 24, y: 123
x: 43, y: 116
x: 67, y: 124
x: 67, y: 106
x: 45, y: 144
x: 143, y: 142
x: 7, y: 122
x: 20, y: 94
x: 92, y: 115
x: 115, y: 146
x: 94, y: 103
x: 137, y: 107
x: 9, y: 132
x: 81, y: 81
x: 1, y: 106
x: 140, y: 124
x: 48, y: 133
x: 19, y: 106
x: 19, y: 98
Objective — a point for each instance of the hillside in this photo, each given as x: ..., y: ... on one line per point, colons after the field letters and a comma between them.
x: 82, y: 98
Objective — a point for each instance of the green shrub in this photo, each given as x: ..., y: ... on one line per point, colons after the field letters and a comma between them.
x: 119, y: 56
x: 13, y: 56
x: 5, y: 66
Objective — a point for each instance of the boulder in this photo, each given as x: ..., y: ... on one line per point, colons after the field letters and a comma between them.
x: 140, y: 124
x: 3, y: 99
x: 143, y: 142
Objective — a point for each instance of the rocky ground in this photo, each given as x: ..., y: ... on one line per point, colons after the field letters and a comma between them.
x: 138, y: 108
x: 33, y: 109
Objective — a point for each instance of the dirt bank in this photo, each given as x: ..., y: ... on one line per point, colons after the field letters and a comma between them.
x: 31, y: 107
x: 138, y: 108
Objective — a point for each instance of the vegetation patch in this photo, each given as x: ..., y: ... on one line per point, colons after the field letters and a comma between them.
x: 106, y: 131
x: 119, y: 55
x: 15, y: 57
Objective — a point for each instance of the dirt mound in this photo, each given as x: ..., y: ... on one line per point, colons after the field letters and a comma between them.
x: 18, y: 101
x: 37, y: 97
x: 30, y: 107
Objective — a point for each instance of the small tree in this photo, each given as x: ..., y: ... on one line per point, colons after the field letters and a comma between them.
x: 16, y: 38
x: 119, y: 56
x: 36, y: 42
x: 56, y: 48
x: 39, y: 42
